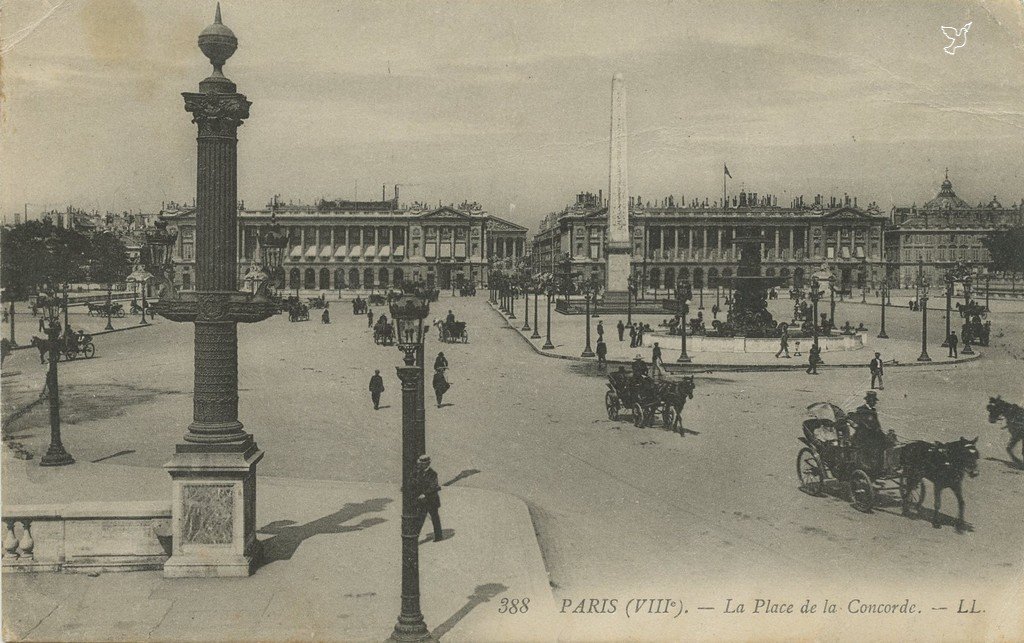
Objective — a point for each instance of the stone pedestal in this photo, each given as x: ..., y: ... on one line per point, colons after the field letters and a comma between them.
x: 213, y: 514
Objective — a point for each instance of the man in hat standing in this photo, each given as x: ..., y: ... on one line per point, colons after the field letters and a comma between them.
x: 876, y: 371
x: 376, y: 388
x: 602, y: 353
x: 427, y: 490
x: 869, y: 437
x: 656, y: 361
x: 621, y: 328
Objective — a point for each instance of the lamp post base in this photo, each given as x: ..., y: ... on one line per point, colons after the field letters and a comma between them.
x: 924, y: 358
x: 548, y: 346
x: 535, y: 335
x: 587, y: 353
x: 410, y: 632
x: 684, y: 359
x: 882, y: 335
x: 967, y: 350
x: 56, y: 456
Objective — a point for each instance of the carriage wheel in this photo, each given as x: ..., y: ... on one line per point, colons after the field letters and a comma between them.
x: 638, y: 415
x: 910, y: 496
x: 809, y: 471
x: 668, y: 416
x: 611, y: 404
x: 70, y: 354
x: 89, y: 350
x: 120, y: 313
x: 862, y: 492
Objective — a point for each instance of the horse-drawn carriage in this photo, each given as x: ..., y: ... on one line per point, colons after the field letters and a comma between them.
x: 317, y: 302
x: 103, y: 309
x: 71, y: 346
x: 377, y: 300
x: 467, y: 290
x: 384, y: 333
x: 297, y: 311
x: 75, y: 345
x: 830, y: 454
x: 646, y: 398
x: 452, y: 331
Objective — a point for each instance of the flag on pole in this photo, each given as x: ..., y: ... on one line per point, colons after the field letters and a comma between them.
x: 726, y: 170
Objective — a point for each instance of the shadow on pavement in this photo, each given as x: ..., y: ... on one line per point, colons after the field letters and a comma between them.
x: 287, y: 535
x: 482, y: 594
x: 465, y: 473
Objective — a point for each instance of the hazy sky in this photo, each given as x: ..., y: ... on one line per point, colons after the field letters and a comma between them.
x: 507, y: 102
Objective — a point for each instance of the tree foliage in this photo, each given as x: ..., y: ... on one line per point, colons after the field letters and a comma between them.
x: 1007, y: 249
x: 37, y: 253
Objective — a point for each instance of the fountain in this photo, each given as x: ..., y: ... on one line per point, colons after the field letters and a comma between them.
x: 748, y: 316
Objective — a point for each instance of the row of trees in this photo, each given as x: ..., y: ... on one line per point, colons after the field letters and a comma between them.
x: 37, y: 255
x: 1007, y: 250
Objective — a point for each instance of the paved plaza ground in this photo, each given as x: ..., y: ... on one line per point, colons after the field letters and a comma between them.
x: 619, y: 512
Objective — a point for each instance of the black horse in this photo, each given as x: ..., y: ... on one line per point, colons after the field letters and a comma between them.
x: 942, y: 464
x: 675, y: 395
x: 1014, y: 416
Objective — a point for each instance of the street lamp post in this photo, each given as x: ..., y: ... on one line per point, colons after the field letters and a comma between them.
x: 831, y: 304
x: 588, y: 288
x: 549, y: 293
x: 815, y: 295
x: 65, y: 305
x: 922, y: 295
x: 526, y: 303
x: 536, y: 326
x: 56, y: 455
x: 683, y: 294
x: 949, y: 302
x: 409, y: 312
x: 511, y: 300
x: 884, y: 295
x: 630, y: 290
x: 109, y: 289
x: 141, y: 277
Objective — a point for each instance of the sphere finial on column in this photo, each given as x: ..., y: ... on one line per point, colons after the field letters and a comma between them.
x: 218, y: 43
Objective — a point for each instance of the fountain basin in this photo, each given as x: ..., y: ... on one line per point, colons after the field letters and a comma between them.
x: 703, y: 344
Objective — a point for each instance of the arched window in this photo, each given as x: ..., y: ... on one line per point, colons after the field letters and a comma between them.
x: 353, y: 278
x: 368, y: 278
x: 383, y: 278
x: 339, y: 278
x: 712, y: 277
x: 798, y: 278
x: 325, y: 279
x: 293, y: 278
x: 310, y: 281
x: 653, y: 277
x: 399, y: 277
x: 684, y: 274
x: 698, y: 277
x: 670, y: 278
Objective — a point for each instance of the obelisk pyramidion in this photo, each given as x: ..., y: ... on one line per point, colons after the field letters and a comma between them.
x: 618, y: 247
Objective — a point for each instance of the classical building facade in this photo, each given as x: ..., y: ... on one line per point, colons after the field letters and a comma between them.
x: 943, y: 231
x: 334, y: 245
x: 694, y: 241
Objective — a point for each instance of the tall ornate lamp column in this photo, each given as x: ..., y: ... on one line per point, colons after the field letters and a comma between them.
x: 525, y: 286
x: 884, y: 294
x: 409, y: 313
x: 214, y: 469
x: 949, y: 302
x: 587, y: 287
x: 56, y: 455
x: 683, y: 295
x: 549, y: 292
x: 536, y: 295
x: 922, y: 297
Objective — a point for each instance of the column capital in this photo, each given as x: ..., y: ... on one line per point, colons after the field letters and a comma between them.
x: 217, y: 114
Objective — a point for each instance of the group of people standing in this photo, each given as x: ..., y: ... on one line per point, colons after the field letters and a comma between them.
x: 440, y: 382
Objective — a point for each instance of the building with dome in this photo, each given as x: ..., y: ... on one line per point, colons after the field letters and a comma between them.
x: 346, y: 245
x: 674, y: 239
x: 943, y: 231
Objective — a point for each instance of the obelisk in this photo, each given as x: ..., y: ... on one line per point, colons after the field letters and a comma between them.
x: 618, y: 247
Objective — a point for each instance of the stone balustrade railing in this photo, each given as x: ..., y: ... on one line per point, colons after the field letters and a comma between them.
x: 88, y: 536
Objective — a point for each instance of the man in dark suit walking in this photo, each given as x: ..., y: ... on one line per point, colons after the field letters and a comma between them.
x: 621, y: 328
x: 876, y: 371
x: 376, y: 388
x: 427, y: 490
